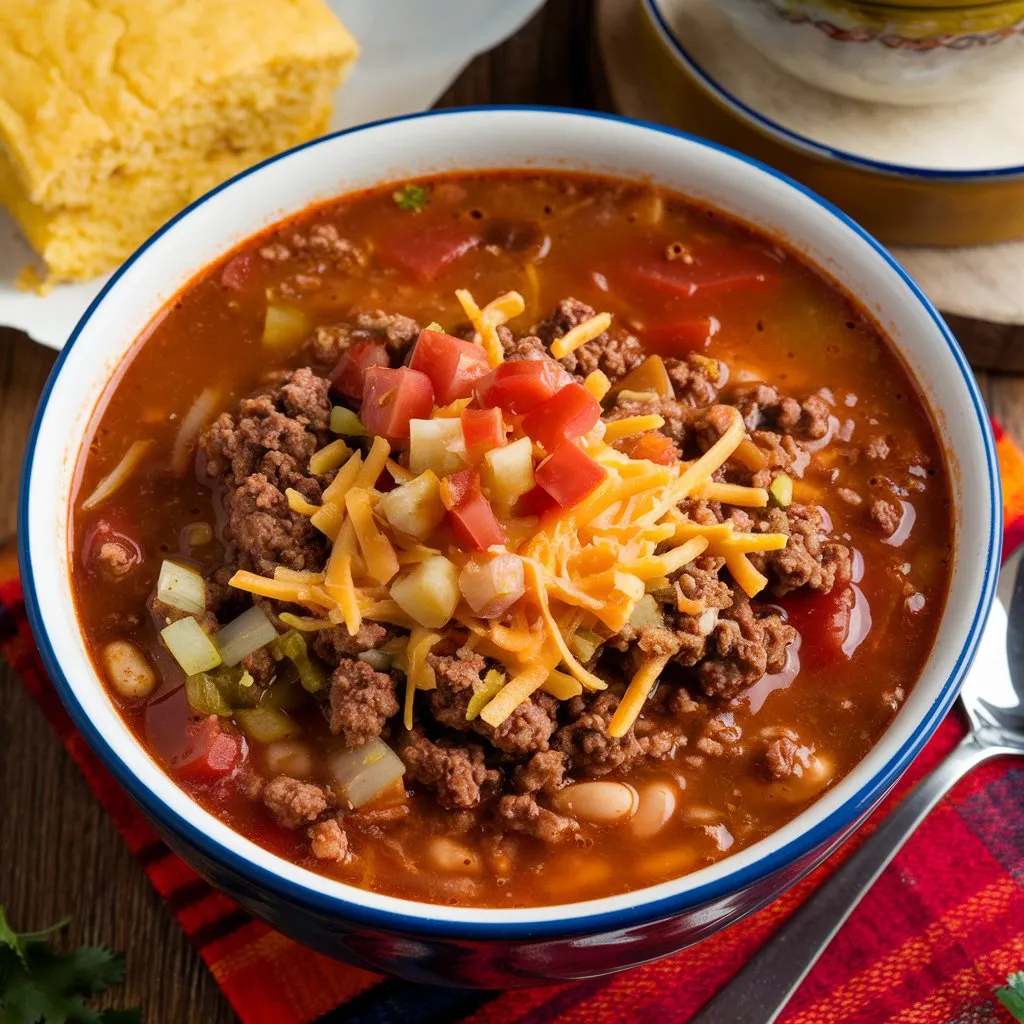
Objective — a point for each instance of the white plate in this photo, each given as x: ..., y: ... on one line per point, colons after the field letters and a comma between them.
x: 412, y: 51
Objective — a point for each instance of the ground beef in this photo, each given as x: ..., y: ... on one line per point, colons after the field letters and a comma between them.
x: 361, y: 701
x: 694, y: 381
x: 522, y: 813
x: 261, y: 666
x: 336, y: 643
x: 543, y: 773
x: 809, y: 559
x: 585, y: 741
x: 762, y: 405
x: 527, y: 347
x: 720, y: 737
x: 267, y: 532
x: 456, y: 772
x: 294, y: 803
x: 528, y: 728
x: 304, y: 397
x: 877, y: 448
x: 458, y: 676
x: 741, y: 648
x: 398, y: 332
x: 325, y: 242
x: 786, y: 758
x: 887, y: 515
x: 614, y: 355
x: 327, y: 840
x: 675, y: 416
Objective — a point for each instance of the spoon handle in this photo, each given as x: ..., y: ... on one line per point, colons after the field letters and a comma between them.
x: 760, y: 991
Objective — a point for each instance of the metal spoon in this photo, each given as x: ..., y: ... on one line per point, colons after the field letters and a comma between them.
x: 993, y: 700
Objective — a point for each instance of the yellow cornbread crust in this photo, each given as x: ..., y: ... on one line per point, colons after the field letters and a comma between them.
x: 116, y: 113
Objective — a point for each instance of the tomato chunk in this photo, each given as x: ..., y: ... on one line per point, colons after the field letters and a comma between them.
x: 347, y: 377
x: 718, y: 272
x: 569, y: 474
x: 683, y: 335
x: 535, y: 502
x: 521, y: 385
x: 655, y: 447
x: 423, y: 248
x: 211, y: 754
x: 393, y: 397
x: 483, y: 429
x: 451, y: 364
x: 567, y: 414
x: 469, y: 512
x: 823, y: 622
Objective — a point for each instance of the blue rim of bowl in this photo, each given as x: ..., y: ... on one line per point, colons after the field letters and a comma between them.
x: 795, y: 140
x: 803, y: 846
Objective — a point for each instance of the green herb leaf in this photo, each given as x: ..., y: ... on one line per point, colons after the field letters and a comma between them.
x: 40, y: 986
x: 1012, y: 995
x: 412, y: 197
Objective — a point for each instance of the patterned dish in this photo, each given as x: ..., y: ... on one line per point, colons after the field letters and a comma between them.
x: 908, y: 53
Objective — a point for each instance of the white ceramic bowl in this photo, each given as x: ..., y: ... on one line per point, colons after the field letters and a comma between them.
x: 496, y: 948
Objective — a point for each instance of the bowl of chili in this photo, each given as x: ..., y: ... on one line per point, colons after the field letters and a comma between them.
x: 667, y: 541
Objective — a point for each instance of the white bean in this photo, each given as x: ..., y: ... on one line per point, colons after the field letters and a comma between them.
x: 657, y: 805
x: 600, y: 803
x: 288, y: 757
x: 128, y: 669
x: 799, y: 788
x: 452, y: 857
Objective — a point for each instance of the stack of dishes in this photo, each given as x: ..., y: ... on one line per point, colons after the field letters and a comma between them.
x: 907, y: 115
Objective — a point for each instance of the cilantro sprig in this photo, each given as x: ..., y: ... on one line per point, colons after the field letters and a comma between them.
x: 412, y: 197
x: 41, y: 986
x: 1011, y: 995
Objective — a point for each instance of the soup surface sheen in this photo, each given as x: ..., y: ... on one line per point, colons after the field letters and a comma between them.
x: 760, y: 704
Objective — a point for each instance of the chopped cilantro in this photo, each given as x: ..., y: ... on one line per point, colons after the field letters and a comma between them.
x: 1011, y: 995
x: 40, y: 986
x: 412, y: 197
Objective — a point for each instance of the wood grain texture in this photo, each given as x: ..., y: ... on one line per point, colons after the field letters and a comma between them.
x: 59, y: 854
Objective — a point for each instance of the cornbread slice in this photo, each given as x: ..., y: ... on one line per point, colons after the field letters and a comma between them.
x: 114, y: 114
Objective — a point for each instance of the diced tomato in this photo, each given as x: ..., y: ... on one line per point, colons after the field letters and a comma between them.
x: 717, y: 272
x: 422, y: 247
x: 567, y: 414
x: 347, y: 377
x: 521, y: 385
x: 535, y: 502
x: 683, y: 335
x: 451, y: 364
x: 393, y: 397
x: 469, y: 512
x: 483, y: 429
x: 238, y: 271
x: 212, y: 752
x: 569, y: 474
x: 823, y: 622
x: 655, y: 447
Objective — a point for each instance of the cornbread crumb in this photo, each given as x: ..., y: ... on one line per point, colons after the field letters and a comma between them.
x: 114, y: 114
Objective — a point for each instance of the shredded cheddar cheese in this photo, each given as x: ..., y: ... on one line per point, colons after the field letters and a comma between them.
x: 588, y: 570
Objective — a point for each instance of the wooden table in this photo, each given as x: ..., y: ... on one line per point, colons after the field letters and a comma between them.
x: 59, y: 853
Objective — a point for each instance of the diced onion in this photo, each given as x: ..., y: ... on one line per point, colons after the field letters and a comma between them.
x: 284, y: 327
x: 363, y: 773
x: 205, y: 696
x: 380, y: 661
x: 414, y: 508
x: 491, y: 585
x: 181, y: 587
x: 190, y: 647
x: 244, y: 635
x: 266, y: 725
x: 345, y: 421
x: 438, y: 445
x: 646, y: 613
x: 118, y: 476
x: 195, y: 419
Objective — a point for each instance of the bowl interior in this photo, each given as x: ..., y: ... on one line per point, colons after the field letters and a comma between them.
x: 478, y: 139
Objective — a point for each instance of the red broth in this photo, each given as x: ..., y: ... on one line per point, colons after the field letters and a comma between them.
x: 686, y: 281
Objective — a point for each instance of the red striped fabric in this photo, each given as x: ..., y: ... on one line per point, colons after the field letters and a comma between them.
x: 940, y: 930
